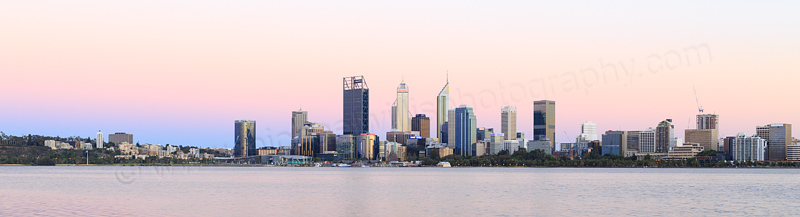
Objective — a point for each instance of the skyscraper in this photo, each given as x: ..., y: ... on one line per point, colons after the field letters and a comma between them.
x: 588, y: 131
x: 356, y: 106
x: 780, y: 136
x: 451, y: 128
x: 707, y: 121
x: 421, y: 124
x: 244, y: 138
x: 544, y: 120
x: 299, y: 118
x: 508, y: 117
x: 465, y: 126
x: 442, y: 106
x: 99, y: 139
x: 665, y: 133
x: 400, y: 119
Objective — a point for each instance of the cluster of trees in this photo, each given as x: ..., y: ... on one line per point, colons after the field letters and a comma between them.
x: 30, y: 150
x: 537, y: 158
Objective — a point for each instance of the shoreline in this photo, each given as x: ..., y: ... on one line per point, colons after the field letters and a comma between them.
x: 218, y: 165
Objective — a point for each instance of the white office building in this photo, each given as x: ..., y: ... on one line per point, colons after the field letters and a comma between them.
x: 588, y: 131
x: 647, y: 141
x: 508, y: 117
x: 511, y: 146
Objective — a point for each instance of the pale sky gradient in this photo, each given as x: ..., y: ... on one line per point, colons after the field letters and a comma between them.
x: 181, y: 72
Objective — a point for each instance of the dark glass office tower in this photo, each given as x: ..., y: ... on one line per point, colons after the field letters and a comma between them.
x: 544, y: 120
x: 245, y: 138
x: 356, y: 106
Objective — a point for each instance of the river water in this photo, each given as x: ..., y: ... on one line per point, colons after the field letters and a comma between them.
x: 262, y: 191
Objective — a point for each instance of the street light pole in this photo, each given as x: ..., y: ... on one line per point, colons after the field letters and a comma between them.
x: 87, y: 157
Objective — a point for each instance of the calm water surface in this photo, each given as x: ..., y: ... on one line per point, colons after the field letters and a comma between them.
x: 237, y: 191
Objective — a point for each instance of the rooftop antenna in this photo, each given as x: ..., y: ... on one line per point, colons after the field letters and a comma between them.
x: 699, y: 108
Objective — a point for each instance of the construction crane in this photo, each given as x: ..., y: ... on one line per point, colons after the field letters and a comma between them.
x: 565, y: 133
x: 699, y: 107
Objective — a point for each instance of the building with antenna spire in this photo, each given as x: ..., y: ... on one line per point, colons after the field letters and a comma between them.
x: 299, y: 118
x: 401, y: 119
x: 442, y: 107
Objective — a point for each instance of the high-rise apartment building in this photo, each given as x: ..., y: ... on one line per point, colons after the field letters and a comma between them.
x: 665, y: 136
x: 120, y: 137
x: 707, y: 121
x: 708, y: 138
x: 400, y: 114
x: 508, y: 117
x: 748, y: 148
x: 421, y: 124
x: 244, y: 138
x: 355, y: 106
x: 442, y: 107
x: 465, y: 126
x: 299, y: 118
x: 588, y: 131
x: 544, y: 120
x: 100, y: 140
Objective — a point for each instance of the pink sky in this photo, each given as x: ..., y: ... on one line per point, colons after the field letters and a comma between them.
x: 181, y: 72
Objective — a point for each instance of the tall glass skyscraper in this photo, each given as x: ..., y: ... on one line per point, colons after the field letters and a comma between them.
x: 356, y: 106
x: 244, y: 138
x: 544, y: 120
x: 466, y: 130
x: 442, y: 105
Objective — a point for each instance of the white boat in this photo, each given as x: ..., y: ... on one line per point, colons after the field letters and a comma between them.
x: 443, y: 164
x: 343, y: 165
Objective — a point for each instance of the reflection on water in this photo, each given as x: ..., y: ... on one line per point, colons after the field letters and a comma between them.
x: 229, y: 191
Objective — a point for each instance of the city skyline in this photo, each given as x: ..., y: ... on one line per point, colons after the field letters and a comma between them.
x: 175, y: 82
